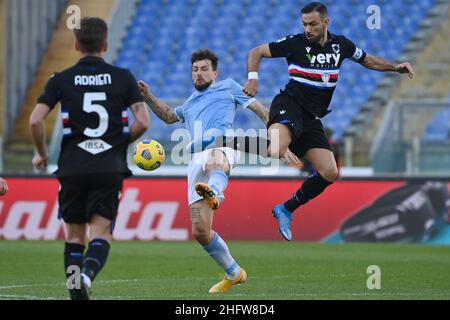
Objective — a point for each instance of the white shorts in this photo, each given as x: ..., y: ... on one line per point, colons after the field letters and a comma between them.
x: 196, y: 170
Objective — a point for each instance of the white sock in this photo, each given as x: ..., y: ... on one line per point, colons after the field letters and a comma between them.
x: 86, y: 280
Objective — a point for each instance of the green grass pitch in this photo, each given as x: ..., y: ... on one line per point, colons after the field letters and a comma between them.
x: 276, y: 270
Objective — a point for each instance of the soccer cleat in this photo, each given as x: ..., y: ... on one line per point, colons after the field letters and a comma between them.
x: 81, y: 294
x: 208, y: 194
x: 225, y: 284
x: 284, y: 218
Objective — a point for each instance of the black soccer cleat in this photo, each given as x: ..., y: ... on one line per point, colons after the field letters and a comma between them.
x: 83, y: 293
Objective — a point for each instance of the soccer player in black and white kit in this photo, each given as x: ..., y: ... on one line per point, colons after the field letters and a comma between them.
x: 314, y: 58
x: 92, y: 164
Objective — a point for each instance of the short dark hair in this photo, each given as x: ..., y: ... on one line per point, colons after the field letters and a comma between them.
x: 92, y: 34
x: 316, y: 7
x: 205, y: 54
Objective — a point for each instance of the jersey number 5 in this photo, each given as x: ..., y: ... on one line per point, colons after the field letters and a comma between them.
x: 89, y: 106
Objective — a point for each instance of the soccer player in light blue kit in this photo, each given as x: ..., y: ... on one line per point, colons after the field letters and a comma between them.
x: 213, y: 106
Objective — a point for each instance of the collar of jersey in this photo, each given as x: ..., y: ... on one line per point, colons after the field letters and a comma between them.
x: 90, y: 59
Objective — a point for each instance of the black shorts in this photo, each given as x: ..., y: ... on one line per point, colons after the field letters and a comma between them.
x: 82, y: 196
x: 307, y: 130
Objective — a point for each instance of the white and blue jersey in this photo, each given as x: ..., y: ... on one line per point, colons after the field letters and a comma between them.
x: 208, y: 114
x: 212, y: 111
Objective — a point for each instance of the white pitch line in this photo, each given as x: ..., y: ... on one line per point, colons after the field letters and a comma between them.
x: 27, y: 286
x: 106, y: 282
x: 63, y: 284
x: 112, y: 281
x: 27, y: 297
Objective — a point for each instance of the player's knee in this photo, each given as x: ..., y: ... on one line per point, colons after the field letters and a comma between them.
x: 330, y: 173
x: 202, y: 235
x: 276, y: 152
x: 80, y: 239
x: 217, y: 161
x: 76, y: 233
x: 100, y: 232
x: 101, y: 235
x: 225, y: 167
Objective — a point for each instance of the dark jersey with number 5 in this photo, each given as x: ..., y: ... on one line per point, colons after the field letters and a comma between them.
x: 313, y: 69
x: 94, y: 98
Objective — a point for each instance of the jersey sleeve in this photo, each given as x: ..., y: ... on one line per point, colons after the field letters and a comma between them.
x: 51, y: 94
x: 133, y: 95
x: 238, y: 95
x: 281, y: 47
x: 179, y: 112
x: 352, y: 52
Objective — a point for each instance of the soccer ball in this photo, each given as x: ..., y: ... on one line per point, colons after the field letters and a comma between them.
x: 148, y: 155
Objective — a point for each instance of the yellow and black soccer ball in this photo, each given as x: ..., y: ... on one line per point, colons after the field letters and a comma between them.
x: 148, y: 155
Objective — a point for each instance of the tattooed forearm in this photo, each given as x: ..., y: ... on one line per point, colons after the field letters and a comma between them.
x: 161, y: 110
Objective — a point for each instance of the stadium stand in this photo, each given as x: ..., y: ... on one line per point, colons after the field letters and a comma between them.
x: 439, y: 127
x: 156, y: 42
x: 164, y: 33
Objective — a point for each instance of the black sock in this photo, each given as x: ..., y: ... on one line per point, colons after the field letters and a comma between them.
x: 73, y: 256
x: 311, y: 188
x: 248, y: 144
x: 95, y: 257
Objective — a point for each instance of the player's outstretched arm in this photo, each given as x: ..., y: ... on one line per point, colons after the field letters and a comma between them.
x: 3, y: 187
x: 254, y: 59
x: 37, y: 130
x: 161, y: 110
x: 381, y: 64
x: 260, y: 111
x: 141, y: 120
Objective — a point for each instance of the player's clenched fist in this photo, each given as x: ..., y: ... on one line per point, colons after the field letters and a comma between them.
x: 40, y: 162
x: 405, y: 67
x: 3, y: 187
x: 251, y: 88
x: 144, y: 89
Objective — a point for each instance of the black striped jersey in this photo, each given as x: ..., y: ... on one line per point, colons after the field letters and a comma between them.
x: 94, y: 98
x: 313, y: 69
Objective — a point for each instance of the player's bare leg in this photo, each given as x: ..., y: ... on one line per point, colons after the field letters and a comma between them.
x: 201, y: 221
x: 76, y: 233
x: 324, y: 162
x: 100, y: 236
x: 327, y: 172
x: 217, y: 169
x: 280, y: 137
x: 76, y: 238
x: 100, y: 228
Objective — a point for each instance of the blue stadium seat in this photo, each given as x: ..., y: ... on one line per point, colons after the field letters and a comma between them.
x: 438, y: 129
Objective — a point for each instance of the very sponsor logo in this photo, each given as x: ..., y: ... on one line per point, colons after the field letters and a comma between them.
x: 324, y: 59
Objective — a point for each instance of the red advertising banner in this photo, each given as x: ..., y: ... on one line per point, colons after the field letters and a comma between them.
x: 156, y: 209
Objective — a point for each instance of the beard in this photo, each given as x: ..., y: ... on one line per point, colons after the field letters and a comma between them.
x: 317, y: 38
x: 204, y: 86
